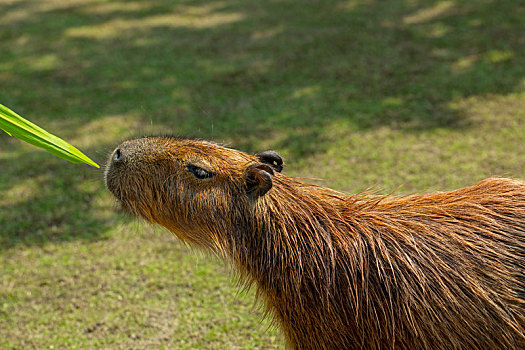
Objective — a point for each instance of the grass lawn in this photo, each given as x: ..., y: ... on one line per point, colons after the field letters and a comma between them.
x: 425, y: 94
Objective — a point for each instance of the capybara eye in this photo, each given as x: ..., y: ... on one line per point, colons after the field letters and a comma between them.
x: 199, y: 173
x: 118, y: 154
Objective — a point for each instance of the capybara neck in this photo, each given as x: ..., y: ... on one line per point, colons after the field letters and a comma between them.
x: 291, y: 232
x: 426, y: 271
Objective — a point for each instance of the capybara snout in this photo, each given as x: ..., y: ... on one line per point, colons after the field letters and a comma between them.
x: 130, y: 169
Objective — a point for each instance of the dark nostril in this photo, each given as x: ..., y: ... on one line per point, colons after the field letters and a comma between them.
x: 117, y: 157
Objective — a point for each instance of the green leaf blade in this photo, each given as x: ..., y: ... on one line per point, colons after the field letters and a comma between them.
x: 23, y: 129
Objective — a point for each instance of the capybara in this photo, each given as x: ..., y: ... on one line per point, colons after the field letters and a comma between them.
x: 444, y: 270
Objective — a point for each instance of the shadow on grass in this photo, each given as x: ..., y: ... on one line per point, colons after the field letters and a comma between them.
x: 252, y: 73
x: 46, y: 199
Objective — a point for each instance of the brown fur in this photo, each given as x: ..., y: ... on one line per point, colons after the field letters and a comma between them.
x: 426, y: 271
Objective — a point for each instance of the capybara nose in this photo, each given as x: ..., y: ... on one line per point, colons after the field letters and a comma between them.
x: 118, y: 155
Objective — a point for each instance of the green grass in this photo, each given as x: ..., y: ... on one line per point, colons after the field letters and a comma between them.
x: 425, y: 94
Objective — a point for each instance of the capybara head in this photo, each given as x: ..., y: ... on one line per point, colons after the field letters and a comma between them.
x: 197, y: 189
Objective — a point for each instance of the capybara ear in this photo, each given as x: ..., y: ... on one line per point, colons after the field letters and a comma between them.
x: 271, y: 158
x: 258, y: 179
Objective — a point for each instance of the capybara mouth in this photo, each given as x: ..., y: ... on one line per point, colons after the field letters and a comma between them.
x: 125, y: 201
x: 114, y: 186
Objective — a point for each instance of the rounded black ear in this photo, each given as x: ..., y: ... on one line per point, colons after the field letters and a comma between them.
x: 258, y: 179
x: 272, y: 158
